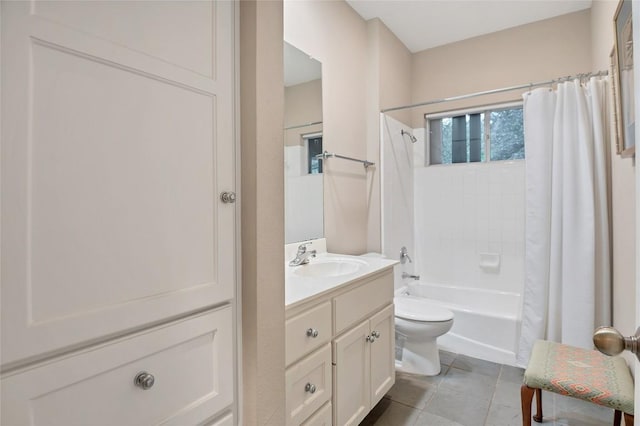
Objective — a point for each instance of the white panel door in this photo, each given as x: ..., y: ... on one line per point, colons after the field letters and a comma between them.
x: 117, y: 139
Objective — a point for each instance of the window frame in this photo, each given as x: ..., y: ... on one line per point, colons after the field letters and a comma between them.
x: 305, y: 142
x: 466, y: 111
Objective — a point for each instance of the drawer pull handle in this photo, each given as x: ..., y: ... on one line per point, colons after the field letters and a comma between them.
x: 144, y: 380
x: 375, y: 334
x: 310, y: 388
x: 312, y: 332
x: 371, y: 339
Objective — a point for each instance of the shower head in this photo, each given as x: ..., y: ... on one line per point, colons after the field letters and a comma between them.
x: 413, y: 138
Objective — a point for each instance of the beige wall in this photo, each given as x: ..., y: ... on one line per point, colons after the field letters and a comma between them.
x: 530, y: 53
x: 262, y: 207
x: 389, y: 84
x: 394, y: 67
x: 336, y: 35
x: 302, y: 105
x: 365, y: 68
x: 622, y: 190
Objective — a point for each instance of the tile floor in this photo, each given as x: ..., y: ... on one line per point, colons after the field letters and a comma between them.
x: 473, y: 392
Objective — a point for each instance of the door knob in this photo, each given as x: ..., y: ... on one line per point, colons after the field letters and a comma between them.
x: 228, y: 197
x: 611, y: 342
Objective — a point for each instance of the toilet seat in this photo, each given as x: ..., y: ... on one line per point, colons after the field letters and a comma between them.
x: 419, y: 309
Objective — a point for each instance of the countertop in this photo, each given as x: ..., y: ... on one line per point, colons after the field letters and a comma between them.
x: 300, y: 288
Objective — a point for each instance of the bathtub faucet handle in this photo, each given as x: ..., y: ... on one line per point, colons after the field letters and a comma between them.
x: 404, y: 256
x: 414, y: 277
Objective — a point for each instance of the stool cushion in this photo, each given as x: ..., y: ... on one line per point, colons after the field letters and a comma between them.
x: 581, y: 373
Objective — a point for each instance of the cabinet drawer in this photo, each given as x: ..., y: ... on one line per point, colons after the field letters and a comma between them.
x: 308, y: 385
x: 299, y: 332
x: 322, y: 417
x: 191, y: 360
x: 356, y: 304
x: 225, y: 420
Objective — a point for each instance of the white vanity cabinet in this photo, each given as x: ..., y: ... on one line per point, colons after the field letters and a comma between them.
x: 357, y: 318
x: 363, y: 367
x: 308, y: 359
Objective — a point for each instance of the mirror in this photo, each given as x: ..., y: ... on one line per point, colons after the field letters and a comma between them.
x: 304, y: 205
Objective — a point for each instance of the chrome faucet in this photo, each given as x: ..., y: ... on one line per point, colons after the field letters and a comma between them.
x: 405, y: 275
x: 404, y: 256
x: 303, y: 256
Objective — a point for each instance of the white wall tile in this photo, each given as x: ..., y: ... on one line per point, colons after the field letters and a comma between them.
x: 464, y: 210
x: 457, y: 212
x: 398, y: 196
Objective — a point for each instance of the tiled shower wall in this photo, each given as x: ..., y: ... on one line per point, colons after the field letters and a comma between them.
x: 469, y: 224
x: 397, y: 194
x: 463, y: 223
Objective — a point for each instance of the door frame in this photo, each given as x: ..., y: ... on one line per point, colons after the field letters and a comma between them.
x: 236, y: 128
x: 636, y: 75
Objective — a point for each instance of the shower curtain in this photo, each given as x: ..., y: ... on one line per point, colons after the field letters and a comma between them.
x: 567, y: 290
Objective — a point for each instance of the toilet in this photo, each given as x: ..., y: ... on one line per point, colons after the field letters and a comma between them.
x: 419, y: 323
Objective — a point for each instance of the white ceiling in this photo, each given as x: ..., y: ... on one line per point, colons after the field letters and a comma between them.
x: 423, y: 24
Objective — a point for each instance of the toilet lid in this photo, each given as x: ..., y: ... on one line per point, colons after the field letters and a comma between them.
x: 419, y: 309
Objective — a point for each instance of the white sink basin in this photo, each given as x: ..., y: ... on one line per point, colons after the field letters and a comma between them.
x: 318, y: 268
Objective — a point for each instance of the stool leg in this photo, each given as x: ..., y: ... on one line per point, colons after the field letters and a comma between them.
x: 617, y: 417
x: 538, y: 416
x: 628, y: 419
x: 526, y: 396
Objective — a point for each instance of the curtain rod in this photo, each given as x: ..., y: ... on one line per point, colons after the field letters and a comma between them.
x: 297, y: 126
x: 494, y: 91
x: 327, y: 154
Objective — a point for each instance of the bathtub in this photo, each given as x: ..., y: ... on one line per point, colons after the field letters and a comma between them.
x: 486, y: 324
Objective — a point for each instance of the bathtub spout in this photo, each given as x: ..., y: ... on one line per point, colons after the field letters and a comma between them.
x: 405, y: 275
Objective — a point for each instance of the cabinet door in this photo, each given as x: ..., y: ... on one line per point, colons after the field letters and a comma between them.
x: 382, y: 354
x: 117, y: 139
x: 351, y: 380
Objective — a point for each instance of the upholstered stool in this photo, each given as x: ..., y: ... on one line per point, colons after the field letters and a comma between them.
x: 580, y: 373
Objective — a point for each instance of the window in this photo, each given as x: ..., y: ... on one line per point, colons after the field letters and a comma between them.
x: 314, y: 147
x: 482, y: 135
